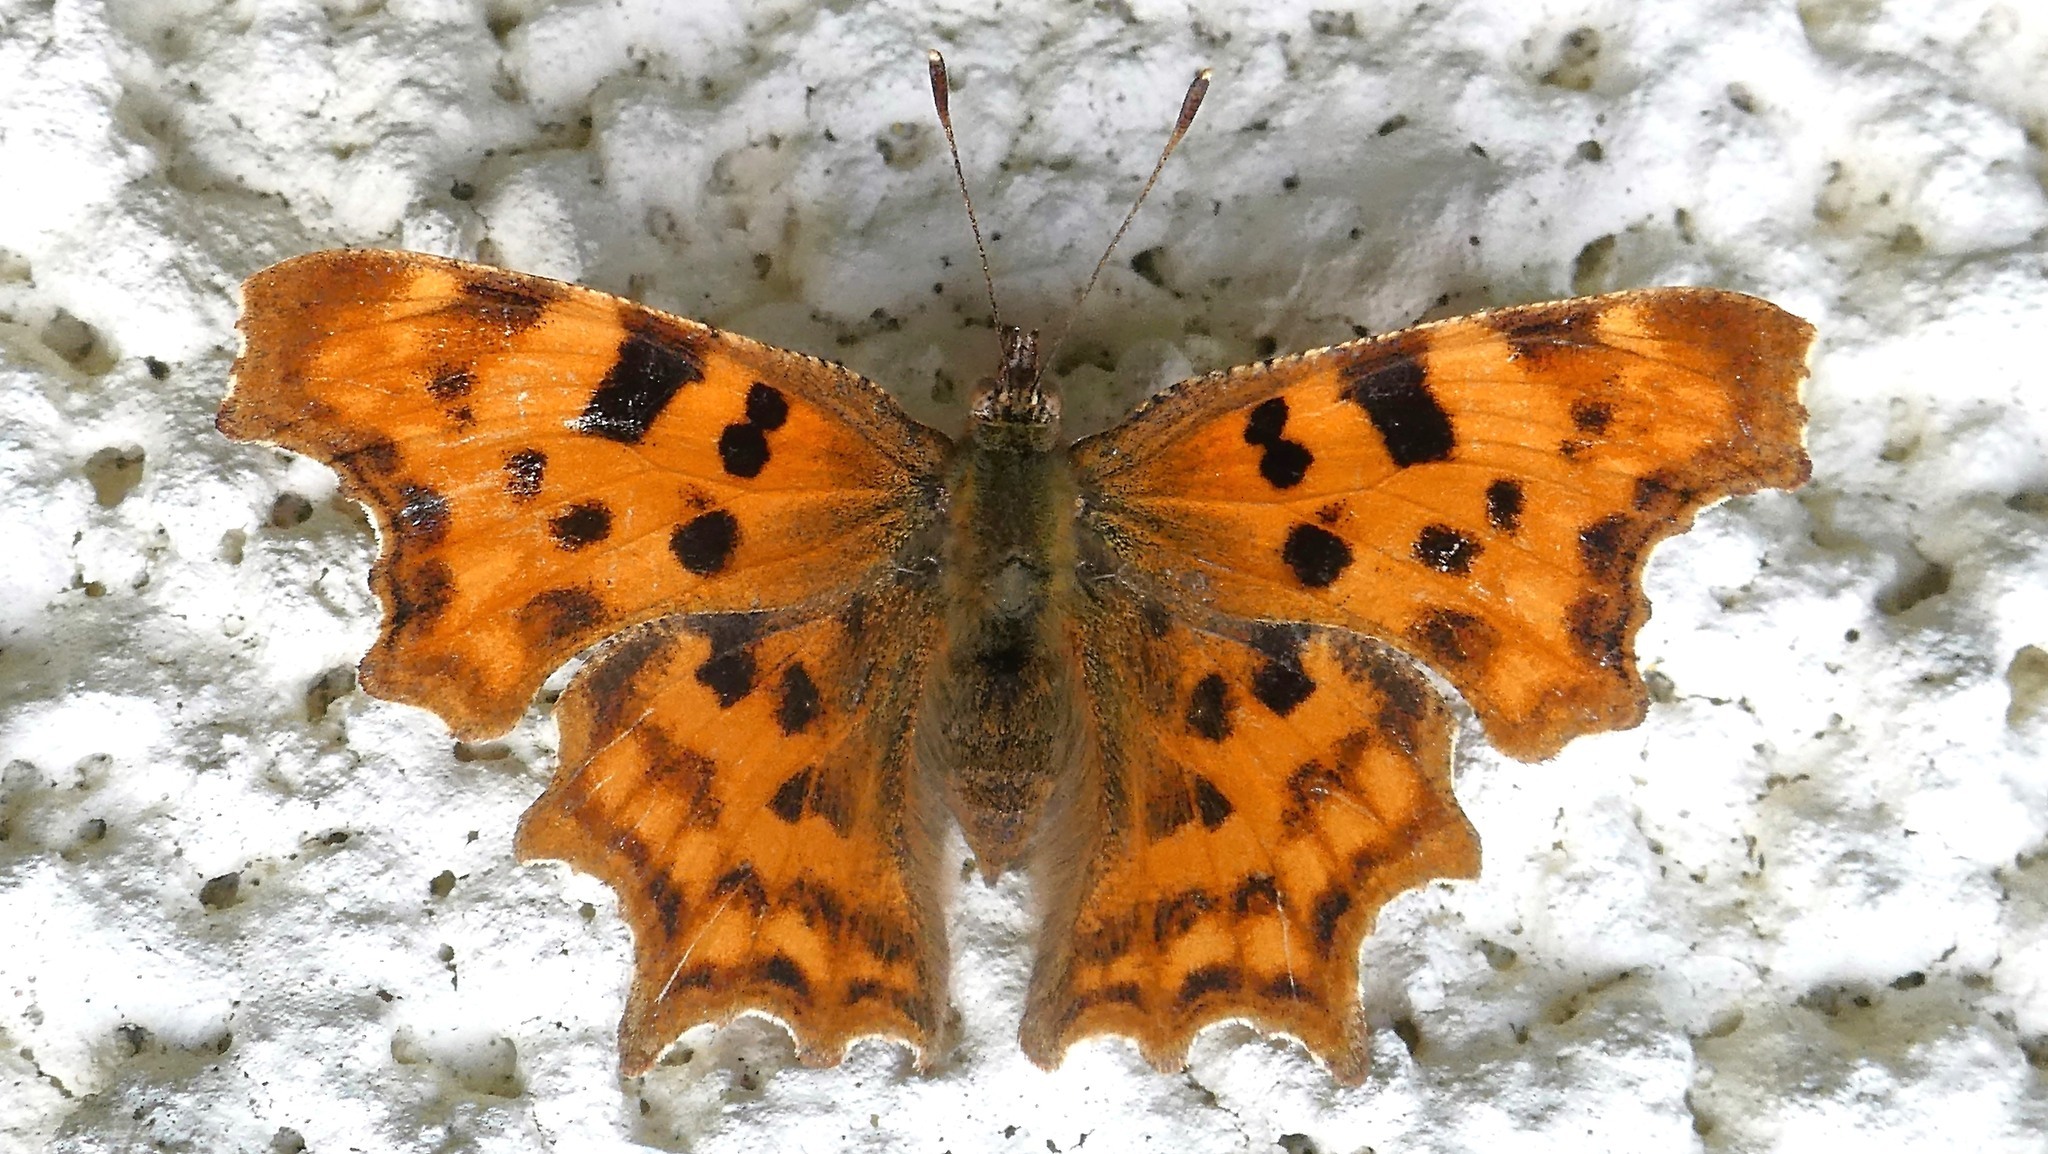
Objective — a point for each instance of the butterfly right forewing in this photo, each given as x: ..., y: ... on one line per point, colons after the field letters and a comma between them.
x: 1480, y: 492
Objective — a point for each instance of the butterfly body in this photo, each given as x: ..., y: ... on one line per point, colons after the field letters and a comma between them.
x: 1172, y: 668
x: 1000, y: 710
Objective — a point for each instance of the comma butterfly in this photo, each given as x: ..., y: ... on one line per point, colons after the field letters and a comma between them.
x: 1172, y: 667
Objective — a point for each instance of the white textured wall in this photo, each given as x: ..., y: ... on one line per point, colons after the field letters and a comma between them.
x: 1806, y: 902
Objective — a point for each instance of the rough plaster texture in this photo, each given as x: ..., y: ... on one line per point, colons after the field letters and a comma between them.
x: 244, y: 907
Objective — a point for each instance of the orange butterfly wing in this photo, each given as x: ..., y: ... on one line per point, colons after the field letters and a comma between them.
x: 548, y: 466
x: 1257, y: 793
x: 744, y: 783
x: 1480, y: 492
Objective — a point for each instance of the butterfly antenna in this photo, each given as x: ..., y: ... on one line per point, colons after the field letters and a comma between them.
x: 1197, y: 89
x: 937, y: 65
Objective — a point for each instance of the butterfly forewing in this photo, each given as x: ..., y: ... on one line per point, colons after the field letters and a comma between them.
x: 549, y: 464
x: 1480, y: 492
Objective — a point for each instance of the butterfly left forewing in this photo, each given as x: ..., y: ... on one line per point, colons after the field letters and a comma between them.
x: 549, y: 464
x: 1254, y: 795
x: 1481, y: 492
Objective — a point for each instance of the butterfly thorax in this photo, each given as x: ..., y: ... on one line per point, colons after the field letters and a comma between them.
x: 998, y: 724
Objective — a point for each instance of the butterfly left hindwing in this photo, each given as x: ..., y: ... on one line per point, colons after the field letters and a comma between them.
x: 745, y: 783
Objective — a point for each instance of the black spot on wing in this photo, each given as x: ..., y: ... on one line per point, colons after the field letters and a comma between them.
x: 508, y: 302
x: 626, y: 842
x: 1453, y: 639
x: 556, y: 615
x: 704, y: 544
x: 816, y: 903
x: 1541, y: 332
x: 1282, y: 462
x: 1285, y: 463
x: 742, y: 882
x: 1264, y: 424
x: 1107, y: 940
x: 1603, y: 545
x: 682, y: 773
x: 1598, y: 625
x: 1661, y: 496
x: 1329, y: 910
x: 1176, y: 915
x: 418, y: 598
x: 743, y: 445
x: 1311, y: 784
x: 885, y: 939
x: 1114, y: 994
x: 767, y: 408
x: 700, y: 976
x: 1393, y: 389
x: 788, y: 802
x: 743, y: 450
x: 1279, y: 682
x: 800, y: 701
x: 831, y: 800
x: 729, y: 670
x: 1504, y: 505
x: 668, y: 904
x: 610, y: 679
x: 653, y: 363
x: 815, y: 792
x: 1258, y: 894
x: 1406, y: 702
x: 780, y: 970
x: 524, y: 471
x: 1217, y: 979
x: 376, y: 457
x: 580, y: 526
x: 1317, y: 556
x: 1446, y: 550
x: 1210, y: 804
x: 423, y: 516
x: 1591, y: 416
x: 1208, y: 712
x: 451, y: 384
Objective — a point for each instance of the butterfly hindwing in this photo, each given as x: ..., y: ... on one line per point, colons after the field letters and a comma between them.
x: 1256, y: 793
x: 744, y: 782
x: 1480, y: 492
x: 549, y: 464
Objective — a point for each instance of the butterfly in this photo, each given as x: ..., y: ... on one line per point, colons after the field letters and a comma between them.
x: 1174, y: 669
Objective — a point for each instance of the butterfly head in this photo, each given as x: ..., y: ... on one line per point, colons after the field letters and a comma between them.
x: 1014, y: 405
